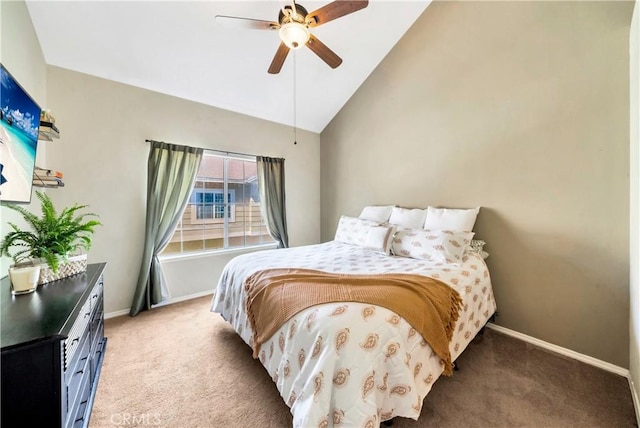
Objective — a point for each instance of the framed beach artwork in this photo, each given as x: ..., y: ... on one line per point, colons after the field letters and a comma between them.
x: 19, y: 122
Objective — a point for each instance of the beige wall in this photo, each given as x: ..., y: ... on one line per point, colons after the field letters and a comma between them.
x: 521, y: 108
x: 634, y: 325
x: 103, y: 155
x: 20, y: 53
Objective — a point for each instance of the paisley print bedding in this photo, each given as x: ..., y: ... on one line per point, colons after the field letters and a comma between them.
x: 347, y: 363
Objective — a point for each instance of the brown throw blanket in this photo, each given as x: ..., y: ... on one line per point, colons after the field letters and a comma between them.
x: 429, y: 305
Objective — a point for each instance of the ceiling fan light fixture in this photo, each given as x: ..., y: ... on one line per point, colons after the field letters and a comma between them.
x: 294, y: 34
x: 294, y: 23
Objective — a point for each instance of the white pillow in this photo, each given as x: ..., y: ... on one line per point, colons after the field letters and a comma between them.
x: 438, y: 246
x: 450, y: 219
x: 379, y: 213
x: 412, y: 218
x: 379, y: 238
x: 353, y: 230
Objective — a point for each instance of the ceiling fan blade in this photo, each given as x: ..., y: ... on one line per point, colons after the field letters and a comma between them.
x: 278, y: 59
x: 334, y: 10
x: 326, y: 54
x: 247, y: 23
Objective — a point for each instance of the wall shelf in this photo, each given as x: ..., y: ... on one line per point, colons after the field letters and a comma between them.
x: 47, y: 178
x: 48, y: 131
x: 48, y: 186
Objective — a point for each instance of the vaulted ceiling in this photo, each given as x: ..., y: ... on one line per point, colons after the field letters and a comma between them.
x: 178, y: 48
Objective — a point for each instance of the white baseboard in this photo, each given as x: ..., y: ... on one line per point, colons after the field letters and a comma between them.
x: 165, y: 303
x: 116, y: 314
x: 183, y: 298
x: 563, y: 351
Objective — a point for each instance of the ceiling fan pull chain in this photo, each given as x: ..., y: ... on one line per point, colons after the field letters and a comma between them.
x: 295, y: 133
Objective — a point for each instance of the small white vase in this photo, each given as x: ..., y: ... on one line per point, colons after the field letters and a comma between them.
x: 24, y: 279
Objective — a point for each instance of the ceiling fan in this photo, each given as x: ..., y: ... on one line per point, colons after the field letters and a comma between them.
x: 293, y: 24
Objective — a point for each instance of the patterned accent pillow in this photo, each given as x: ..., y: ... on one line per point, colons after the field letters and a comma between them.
x: 438, y: 246
x: 353, y: 230
x: 365, y: 234
x: 477, y: 246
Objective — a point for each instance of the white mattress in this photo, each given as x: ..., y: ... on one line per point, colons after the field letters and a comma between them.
x: 350, y: 363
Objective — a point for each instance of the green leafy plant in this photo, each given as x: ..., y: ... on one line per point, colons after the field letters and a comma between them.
x: 53, y: 237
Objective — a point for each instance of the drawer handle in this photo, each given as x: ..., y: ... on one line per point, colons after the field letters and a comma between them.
x: 82, y: 370
x: 75, y: 339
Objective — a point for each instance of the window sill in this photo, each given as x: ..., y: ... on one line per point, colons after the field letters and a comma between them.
x: 213, y: 253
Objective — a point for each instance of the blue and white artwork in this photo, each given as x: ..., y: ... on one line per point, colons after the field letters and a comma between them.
x: 19, y: 122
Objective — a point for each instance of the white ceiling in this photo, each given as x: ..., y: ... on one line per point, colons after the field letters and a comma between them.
x: 177, y: 48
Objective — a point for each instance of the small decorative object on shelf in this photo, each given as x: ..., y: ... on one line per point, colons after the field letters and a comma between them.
x: 45, y: 115
x: 48, y: 130
x: 52, y: 242
x: 47, y: 178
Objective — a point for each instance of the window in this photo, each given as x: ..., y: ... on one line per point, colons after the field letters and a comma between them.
x: 223, y: 210
x: 210, y: 204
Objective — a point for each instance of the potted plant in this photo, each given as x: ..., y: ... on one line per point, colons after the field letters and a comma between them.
x: 52, y: 240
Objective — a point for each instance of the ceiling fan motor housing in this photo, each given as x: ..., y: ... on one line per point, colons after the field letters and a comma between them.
x: 298, y: 16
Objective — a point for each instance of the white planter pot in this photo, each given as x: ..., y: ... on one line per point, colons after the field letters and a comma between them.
x: 24, y: 279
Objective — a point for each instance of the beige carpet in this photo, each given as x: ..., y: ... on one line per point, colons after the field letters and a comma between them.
x: 182, y: 366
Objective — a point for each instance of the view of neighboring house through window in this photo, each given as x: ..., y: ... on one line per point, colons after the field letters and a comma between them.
x: 210, y: 204
x: 224, y: 208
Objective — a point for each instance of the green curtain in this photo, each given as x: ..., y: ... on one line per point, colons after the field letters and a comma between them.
x: 273, y: 205
x: 171, y: 173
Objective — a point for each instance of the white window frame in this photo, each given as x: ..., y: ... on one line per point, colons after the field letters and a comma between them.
x: 265, y: 240
x: 230, y: 205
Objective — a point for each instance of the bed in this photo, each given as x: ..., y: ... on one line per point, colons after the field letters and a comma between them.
x: 353, y: 363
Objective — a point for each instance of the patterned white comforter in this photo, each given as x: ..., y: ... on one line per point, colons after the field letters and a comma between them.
x: 352, y: 364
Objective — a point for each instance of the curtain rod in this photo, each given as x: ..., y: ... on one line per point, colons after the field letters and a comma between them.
x: 207, y: 149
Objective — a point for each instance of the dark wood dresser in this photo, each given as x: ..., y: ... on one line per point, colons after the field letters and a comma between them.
x: 52, y: 350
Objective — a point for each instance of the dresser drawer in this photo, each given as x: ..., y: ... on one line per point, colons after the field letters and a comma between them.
x: 78, y: 415
x: 97, y: 321
x: 96, y: 295
x: 79, y: 368
x: 80, y: 326
x: 96, y: 353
